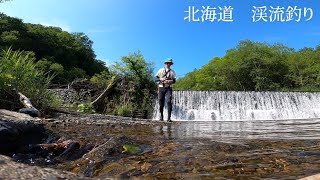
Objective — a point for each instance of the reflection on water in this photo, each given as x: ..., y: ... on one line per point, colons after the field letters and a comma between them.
x: 237, y: 130
x: 166, y: 131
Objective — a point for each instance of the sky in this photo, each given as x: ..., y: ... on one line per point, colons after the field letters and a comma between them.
x: 161, y: 28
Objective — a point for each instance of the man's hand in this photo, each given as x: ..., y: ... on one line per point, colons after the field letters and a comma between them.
x: 168, y: 82
x: 162, y: 79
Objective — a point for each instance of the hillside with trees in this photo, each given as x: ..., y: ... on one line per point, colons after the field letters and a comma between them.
x: 33, y: 57
x: 67, y: 55
x: 256, y: 66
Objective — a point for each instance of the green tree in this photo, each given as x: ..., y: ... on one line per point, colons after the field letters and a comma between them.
x: 251, y: 66
x: 102, y: 79
x: 43, y: 65
x: 304, y: 68
x: 135, y: 67
x: 138, y: 81
x: 187, y: 83
x: 56, y: 68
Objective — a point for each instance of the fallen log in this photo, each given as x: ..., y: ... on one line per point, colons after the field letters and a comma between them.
x: 105, y: 93
x: 25, y: 101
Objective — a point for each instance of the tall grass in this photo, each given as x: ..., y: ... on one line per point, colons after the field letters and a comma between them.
x: 19, y: 74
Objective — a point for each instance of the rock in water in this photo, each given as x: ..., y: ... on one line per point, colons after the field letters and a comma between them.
x: 12, y: 170
x: 32, y: 112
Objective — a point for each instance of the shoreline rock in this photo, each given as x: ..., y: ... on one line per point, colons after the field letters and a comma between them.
x: 17, y: 130
x: 13, y: 170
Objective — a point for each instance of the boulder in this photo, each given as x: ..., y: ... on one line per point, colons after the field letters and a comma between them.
x: 18, y: 129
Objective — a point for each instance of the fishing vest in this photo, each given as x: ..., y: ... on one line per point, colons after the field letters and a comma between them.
x: 169, y: 74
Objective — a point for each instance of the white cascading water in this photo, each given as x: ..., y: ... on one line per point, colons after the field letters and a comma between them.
x: 235, y: 106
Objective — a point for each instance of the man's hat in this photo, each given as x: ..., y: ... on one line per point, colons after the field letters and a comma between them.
x: 168, y: 60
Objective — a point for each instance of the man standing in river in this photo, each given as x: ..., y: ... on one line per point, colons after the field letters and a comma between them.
x: 165, y: 78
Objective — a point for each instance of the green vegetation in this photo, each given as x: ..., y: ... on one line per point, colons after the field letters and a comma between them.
x: 18, y: 73
x: 40, y: 56
x: 102, y: 79
x: 86, y: 108
x: 67, y: 55
x: 255, y: 66
x: 136, y: 89
x: 125, y: 111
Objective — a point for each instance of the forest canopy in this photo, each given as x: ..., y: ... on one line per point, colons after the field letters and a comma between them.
x: 256, y: 66
x: 68, y: 55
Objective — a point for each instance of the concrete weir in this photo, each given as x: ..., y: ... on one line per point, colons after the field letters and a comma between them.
x: 240, y: 106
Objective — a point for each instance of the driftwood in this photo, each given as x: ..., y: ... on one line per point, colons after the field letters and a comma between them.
x: 25, y: 101
x: 105, y: 93
x: 30, y: 109
x: 57, y: 148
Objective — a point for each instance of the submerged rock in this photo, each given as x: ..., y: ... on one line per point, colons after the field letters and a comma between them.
x: 13, y: 170
x: 94, y: 162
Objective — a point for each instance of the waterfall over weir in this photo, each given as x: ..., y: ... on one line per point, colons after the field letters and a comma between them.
x: 237, y: 106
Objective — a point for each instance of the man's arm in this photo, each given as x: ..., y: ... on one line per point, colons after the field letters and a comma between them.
x: 158, y: 78
x: 174, y: 77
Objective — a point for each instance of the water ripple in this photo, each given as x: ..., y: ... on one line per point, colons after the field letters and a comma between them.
x: 237, y: 130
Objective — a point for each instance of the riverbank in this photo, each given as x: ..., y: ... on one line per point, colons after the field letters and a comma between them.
x: 104, y: 146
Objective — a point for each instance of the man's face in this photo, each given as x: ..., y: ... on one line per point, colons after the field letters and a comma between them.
x: 168, y: 64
